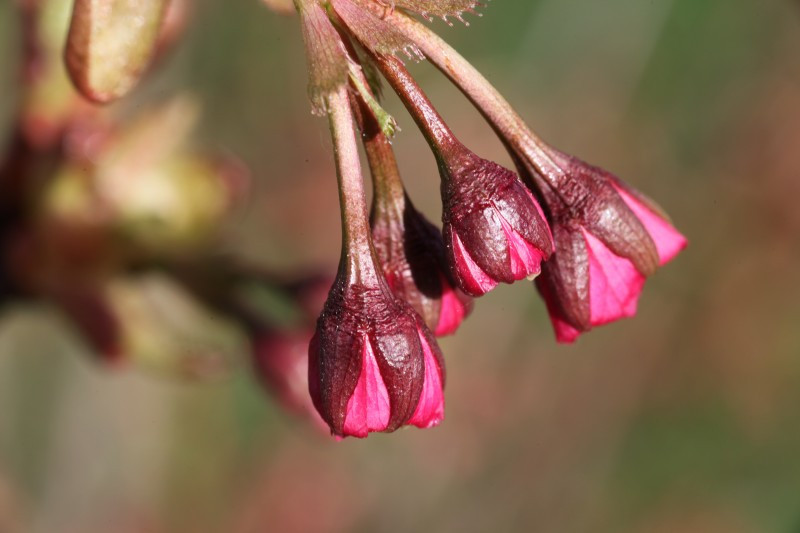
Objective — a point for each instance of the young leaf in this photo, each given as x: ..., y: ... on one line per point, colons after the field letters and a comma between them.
x: 110, y: 45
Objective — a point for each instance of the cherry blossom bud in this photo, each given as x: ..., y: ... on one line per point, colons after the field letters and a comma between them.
x: 373, y: 364
x: 493, y: 227
x: 609, y: 238
x: 413, y: 257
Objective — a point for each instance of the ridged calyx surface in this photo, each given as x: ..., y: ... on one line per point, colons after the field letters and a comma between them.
x: 373, y: 364
x: 494, y: 229
x: 608, y: 239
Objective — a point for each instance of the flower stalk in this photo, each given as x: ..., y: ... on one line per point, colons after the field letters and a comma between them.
x: 505, y: 121
x: 411, y: 250
x: 430, y: 122
x: 357, y: 250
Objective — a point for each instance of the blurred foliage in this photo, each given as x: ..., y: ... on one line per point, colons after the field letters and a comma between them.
x: 682, y: 419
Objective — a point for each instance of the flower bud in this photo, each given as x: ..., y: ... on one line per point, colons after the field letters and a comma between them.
x: 608, y: 238
x: 412, y: 254
x: 373, y: 365
x: 494, y: 229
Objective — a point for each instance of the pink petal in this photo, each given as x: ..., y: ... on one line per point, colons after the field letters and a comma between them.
x: 525, y: 258
x: 669, y: 242
x: 430, y: 409
x: 614, y: 283
x: 565, y: 333
x: 368, y: 408
x: 476, y: 281
x: 452, y: 313
x: 391, y: 279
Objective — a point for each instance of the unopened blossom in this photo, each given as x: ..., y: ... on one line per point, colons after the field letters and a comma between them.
x: 609, y: 238
x: 413, y: 258
x: 493, y: 227
x: 373, y: 364
x: 111, y: 43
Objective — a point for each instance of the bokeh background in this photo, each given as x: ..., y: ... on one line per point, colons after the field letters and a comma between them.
x: 686, y: 418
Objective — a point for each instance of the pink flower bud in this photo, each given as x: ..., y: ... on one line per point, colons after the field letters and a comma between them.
x: 608, y: 238
x: 373, y: 365
x: 494, y: 230
x: 493, y: 227
x: 413, y: 257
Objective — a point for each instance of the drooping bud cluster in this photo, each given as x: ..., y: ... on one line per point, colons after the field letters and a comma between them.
x: 590, y: 248
x: 126, y: 198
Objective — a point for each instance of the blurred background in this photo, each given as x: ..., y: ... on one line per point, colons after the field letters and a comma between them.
x: 686, y: 418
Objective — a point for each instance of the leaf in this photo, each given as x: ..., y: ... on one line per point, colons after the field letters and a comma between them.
x: 111, y: 44
x: 386, y: 122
